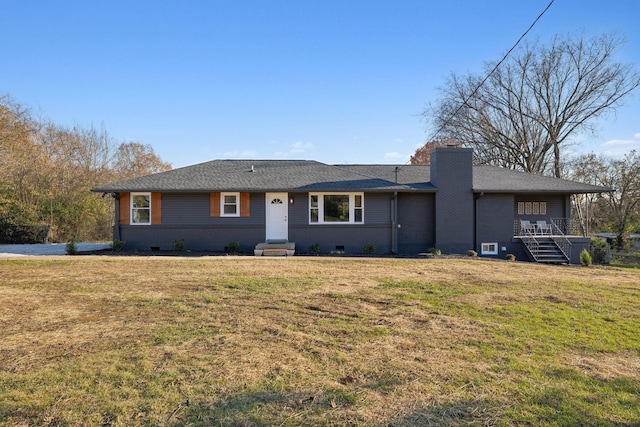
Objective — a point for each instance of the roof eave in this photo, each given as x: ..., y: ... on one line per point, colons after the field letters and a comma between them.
x: 538, y: 191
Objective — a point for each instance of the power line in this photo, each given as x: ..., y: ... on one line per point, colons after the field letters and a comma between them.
x: 477, y: 88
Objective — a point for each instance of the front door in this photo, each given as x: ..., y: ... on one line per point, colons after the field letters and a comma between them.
x: 276, y: 216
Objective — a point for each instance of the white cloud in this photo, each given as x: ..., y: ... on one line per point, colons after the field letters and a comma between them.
x: 300, y: 147
x: 295, y: 149
x: 620, y: 142
x: 392, y: 155
x: 620, y: 147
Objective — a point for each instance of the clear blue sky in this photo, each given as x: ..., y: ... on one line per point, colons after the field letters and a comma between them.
x: 339, y: 81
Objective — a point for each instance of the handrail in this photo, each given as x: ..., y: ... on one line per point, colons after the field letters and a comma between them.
x: 528, y: 238
x: 560, y: 239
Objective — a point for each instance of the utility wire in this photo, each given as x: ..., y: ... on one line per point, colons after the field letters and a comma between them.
x: 477, y: 88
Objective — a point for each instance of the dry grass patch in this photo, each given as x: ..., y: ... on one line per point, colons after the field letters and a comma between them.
x: 607, y: 366
x: 315, y: 341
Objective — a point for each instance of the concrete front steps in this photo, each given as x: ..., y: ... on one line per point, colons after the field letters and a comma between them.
x: 275, y: 248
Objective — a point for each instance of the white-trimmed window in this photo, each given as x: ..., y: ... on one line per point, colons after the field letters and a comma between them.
x: 140, y: 208
x: 336, y: 208
x: 229, y: 204
x: 488, y: 249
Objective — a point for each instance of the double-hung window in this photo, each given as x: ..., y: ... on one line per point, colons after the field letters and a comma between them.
x: 141, y: 208
x: 336, y: 208
x: 230, y: 204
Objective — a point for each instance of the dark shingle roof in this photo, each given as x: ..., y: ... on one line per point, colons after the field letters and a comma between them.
x: 292, y: 175
x: 493, y: 179
x: 256, y: 175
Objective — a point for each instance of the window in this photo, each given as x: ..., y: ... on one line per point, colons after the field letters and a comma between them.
x: 357, y: 208
x: 141, y: 208
x: 532, y: 208
x: 336, y: 208
x: 489, y: 249
x: 230, y: 204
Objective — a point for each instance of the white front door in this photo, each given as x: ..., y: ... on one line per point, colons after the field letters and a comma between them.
x: 277, y: 211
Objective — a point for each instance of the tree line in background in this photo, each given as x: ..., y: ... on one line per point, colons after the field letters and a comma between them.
x: 617, y: 212
x: 47, y: 171
x: 525, y: 111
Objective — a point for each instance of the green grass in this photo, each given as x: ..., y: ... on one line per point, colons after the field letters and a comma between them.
x: 322, y: 341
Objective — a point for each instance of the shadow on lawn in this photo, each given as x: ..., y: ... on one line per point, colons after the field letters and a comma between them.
x: 331, y: 407
x: 337, y: 407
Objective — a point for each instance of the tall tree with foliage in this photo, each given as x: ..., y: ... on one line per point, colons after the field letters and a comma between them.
x: 530, y: 106
x: 422, y: 156
x: 46, y: 172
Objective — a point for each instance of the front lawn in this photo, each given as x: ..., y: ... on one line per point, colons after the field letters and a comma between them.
x: 147, y: 341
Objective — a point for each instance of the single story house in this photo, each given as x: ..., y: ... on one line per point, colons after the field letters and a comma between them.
x: 271, y: 205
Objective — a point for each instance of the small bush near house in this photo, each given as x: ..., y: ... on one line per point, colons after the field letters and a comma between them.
x: 600, y: 251
x: 71, y: 248
x: 585, y: 258
x: 314, y: 249
x: 233, y: 247
x: 510, y: 257
x: 369, y: 248
x: 178, y: 245
x: 435, y: 251
x: 117, y: 245
x: 472, y: 253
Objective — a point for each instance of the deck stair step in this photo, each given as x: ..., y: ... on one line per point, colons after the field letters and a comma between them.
x: 275, y: 248
x: 545, y: 250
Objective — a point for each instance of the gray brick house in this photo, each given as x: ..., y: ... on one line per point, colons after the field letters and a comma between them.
x: 269, y: 204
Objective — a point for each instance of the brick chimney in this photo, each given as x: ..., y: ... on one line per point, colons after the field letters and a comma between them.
x: 452, y: 175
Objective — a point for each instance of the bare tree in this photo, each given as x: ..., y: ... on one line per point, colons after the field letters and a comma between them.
x: 616, y: 211
x: 529, y: 107
x: 134, y: 159
x: 623, y: 206
x: 589, y: 169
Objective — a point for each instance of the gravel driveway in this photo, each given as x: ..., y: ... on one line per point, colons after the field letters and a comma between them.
x: 46, y: 249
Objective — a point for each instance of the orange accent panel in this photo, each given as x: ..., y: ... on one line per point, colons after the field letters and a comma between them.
x: 156, y: 208
x: 245, y: 206
x: 214, y: 204
x: 125, y: 205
